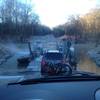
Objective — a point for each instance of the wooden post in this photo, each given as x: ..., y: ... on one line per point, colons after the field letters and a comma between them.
x: 30, y: 49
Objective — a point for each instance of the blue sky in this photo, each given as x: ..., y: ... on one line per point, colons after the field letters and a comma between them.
x: 55, y: 12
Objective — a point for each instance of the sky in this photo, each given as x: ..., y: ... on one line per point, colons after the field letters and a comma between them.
x: 55, y: 12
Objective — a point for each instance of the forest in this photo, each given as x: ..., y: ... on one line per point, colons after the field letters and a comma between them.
x: 19, y: 21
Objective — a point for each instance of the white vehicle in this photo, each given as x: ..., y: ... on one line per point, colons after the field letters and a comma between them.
x: 54, y: 51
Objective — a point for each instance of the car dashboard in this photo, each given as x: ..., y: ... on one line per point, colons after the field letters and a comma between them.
x: 76, y: 90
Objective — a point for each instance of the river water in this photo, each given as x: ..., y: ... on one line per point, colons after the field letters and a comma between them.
x: 85, y: 63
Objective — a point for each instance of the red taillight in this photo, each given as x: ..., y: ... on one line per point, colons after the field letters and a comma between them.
x: 62, y: 61
x: 43, y: 62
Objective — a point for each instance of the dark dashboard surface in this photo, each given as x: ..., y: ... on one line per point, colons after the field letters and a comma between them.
x: 84, y: 90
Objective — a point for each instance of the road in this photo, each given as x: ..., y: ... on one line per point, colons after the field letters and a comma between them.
x: 9, y: 71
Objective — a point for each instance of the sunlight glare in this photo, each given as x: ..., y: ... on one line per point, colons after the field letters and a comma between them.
x: 55, y: 12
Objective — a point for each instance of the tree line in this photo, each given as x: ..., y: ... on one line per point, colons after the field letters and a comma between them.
x: 19, y: 21
x: 87, y: 27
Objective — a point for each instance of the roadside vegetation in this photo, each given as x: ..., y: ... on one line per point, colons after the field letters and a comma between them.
x: 84, y: 28
x: 18, y: 21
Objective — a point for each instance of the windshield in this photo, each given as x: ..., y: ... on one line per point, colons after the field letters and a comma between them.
x: 29, y: 29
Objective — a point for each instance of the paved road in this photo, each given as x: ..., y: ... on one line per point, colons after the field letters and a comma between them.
x: 9, y: 71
